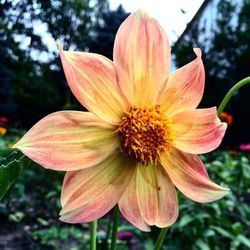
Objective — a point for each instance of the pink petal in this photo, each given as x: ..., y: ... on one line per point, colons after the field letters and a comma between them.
x: 184, y: 88
x: 92, y: 79
x: 90, y: 193
x: 69, y: 140
x: 141, y: 58
x: 198, y: 131
x: 156, y: 196
x: 189, y: 175
x: 129, y: 206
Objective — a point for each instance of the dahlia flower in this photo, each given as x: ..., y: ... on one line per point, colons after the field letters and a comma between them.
x: 140, y: 139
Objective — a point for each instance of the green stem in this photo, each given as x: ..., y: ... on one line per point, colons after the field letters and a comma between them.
x: 115, y: 227
x: 108, y: 233
x: 161, y: 238
x: 93, y: 235
x: 230, y: 93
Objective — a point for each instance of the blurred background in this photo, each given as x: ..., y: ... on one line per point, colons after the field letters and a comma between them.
x: 32, y: 85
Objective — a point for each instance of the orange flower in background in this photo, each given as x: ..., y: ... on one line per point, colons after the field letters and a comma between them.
x: 3, y: 131
x: 140, y: 139
x: 226, y: 117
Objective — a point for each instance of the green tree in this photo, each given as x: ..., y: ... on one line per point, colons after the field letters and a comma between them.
x: 32, y: 82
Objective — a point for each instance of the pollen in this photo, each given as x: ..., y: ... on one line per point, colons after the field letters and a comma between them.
x: 145, y: 133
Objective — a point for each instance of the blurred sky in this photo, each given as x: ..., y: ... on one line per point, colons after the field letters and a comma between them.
x: 173, y: 15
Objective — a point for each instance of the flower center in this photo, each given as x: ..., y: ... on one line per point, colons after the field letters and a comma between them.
x: 145, y: 133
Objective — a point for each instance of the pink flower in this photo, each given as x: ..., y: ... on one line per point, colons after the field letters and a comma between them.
x: 140, y: 139
x: 245, y: 147
x: 125, y: 235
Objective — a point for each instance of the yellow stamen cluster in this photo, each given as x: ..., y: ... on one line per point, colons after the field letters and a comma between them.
x: 145, y: 133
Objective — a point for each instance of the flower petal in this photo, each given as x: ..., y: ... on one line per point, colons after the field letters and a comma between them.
x: 184, y: 88
x: 189, y: 175
x: 92, y: 79
x: 198, y: 131
x: 69, y: 140
x: 129, y: 206
x: 90, y: 193
x: 156, y: 196
x: 141, y: 58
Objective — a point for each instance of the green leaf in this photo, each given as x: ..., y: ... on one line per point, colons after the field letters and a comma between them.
x: 246, y: 170
x: 217, y: 208
x: 209, y: 233
x: 222, y: 231
x: 186, y: 219
x: 10, y: 169
x: 243, y: 240
x: 42, y: 221
x: 148, y: 244
x: 202, y: 245
x: 237, y: 228
x: 16, y: 217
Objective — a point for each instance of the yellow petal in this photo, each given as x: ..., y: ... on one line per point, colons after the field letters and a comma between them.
x: 69, y: 140
x: 93, y: 81
x: 129, y: 206
x: 141, y: 58
x: 90, y: 193
x: 156, y: 196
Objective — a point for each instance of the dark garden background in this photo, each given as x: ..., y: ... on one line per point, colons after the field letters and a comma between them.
x: 32, y: 85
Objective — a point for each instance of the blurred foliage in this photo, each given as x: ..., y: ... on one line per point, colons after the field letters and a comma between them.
x: 32, y: 81
x: 224, y: 39
x: 223, y: 224
x: 32, y: 207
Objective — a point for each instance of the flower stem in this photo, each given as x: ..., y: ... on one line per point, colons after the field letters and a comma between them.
x: 230, y: 93
x: 93, y: 235
x: 115, y: 227
x: 161, y: 238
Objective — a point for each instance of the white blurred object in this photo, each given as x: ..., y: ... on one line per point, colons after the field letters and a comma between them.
x: 173, y: 15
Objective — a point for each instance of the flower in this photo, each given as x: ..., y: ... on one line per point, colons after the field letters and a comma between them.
x: 226, y: 117
x: 3, y: 120
x: 125, y: 235
x: 140, y: 139
x: 233, y: 152
x: 245, y: 147
x: 3, y: 131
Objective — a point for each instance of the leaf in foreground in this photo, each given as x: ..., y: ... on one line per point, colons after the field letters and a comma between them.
x: 10, y: 169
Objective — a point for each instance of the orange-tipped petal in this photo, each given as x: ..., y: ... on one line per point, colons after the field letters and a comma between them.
x: 129, y: 206
x: 90, y: 193
x: 156, y: 196
x: 141, y: 58
x: 184, y: 88
x: 69, y: 140
x: 198, y: 131
x: 92, y: 79
x: 189, y: 175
